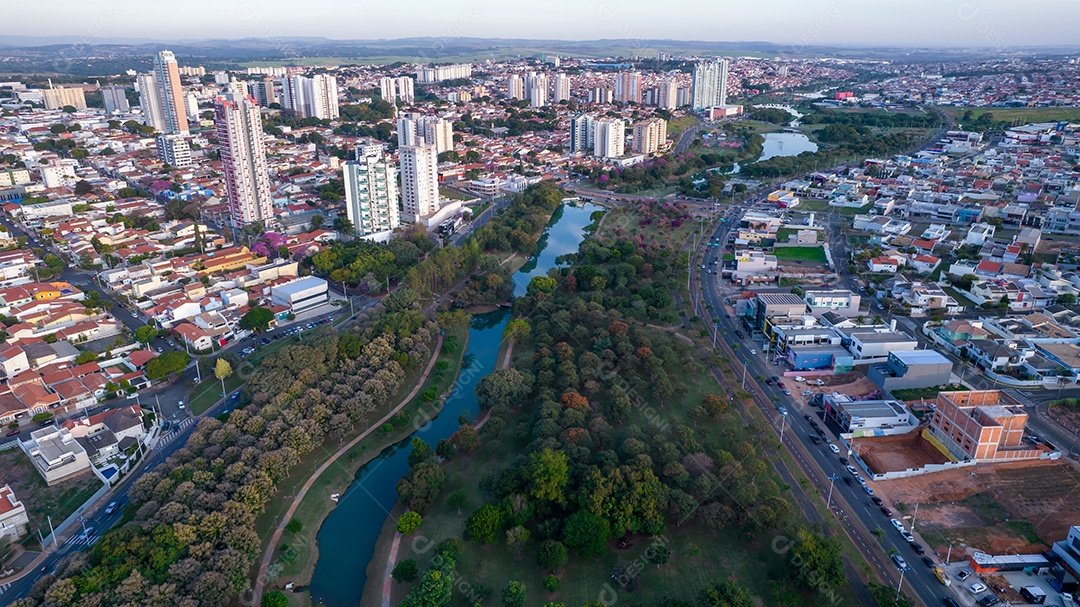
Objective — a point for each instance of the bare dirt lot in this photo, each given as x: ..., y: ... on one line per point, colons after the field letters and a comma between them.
x: 853, y: 384
x: 892, y: 453
x: 1018, y: 507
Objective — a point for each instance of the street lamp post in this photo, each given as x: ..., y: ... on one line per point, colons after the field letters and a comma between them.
x: 783, y: 424
x: 832, y: 482
x: 901, y: 584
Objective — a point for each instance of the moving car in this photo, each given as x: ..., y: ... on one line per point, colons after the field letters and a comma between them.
x: 834, y: 448
x: 753, y: 351
x: 111, y: 507
x: 900, y: 563
x: 815, y: 440
x: 180, y: 404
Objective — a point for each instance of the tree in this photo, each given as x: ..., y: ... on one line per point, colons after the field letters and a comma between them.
x: 275, y: 598
x: 257, y: 319
x: 549, y: 474
x: 405, y: 571
x: 817, y: 561
x: 517, y: 330
x: 516, y: 538
x: 484, y: 525
x: 586, y: 533
x: 317, y: 221
x: 503, y: 388
x: 725, y: 594
x: 513, y: 595
x: 344, y: 225
x: 465, y: 439
x: 541, y: 284
x: 457, y: 499
x: 294, y: 526
x: 86, y: 357
x: 552, y: 583
x: 552, y: 554
x: 1067, y: 299
x: 222, y: 370
x: 166, y: 364
x: 658, y: 553
x: 408, y: 522
x: 145, y: 334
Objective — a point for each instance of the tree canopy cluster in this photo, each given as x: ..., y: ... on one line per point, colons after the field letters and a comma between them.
x: 192, y: 539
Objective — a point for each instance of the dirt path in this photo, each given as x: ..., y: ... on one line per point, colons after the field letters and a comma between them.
x: 391, y: 561
x: 269, y: 554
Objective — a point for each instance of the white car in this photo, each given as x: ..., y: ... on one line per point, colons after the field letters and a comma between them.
x: 976, y: 588
x: 897, y: 524
x: 180, y: 404
x: 753, y: 351
x: 800, y: 378
x: 834, y: 448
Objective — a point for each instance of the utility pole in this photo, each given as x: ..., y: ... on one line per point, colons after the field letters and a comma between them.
x: 832, y: 482
x: 898, y: 586
x: 913, y: 515
x: 52, y: 531
x: 744, y: 374
x: 783, y: 424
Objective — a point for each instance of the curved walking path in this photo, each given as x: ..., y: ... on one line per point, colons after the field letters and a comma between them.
x: 269, y: 554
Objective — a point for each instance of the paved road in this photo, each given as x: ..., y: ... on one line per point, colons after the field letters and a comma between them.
x: 686, y: 138
x: 851, y: 500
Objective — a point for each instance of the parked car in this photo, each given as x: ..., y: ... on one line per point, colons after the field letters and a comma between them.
x: 844, y: 461
x: 13, y: 432
x: 900, y: 563
x: 977, y: 587
x: 963, y: 574
x: 877, y: 501
x: 834, y: 448
x: 180, y: 404
x: 869, y: 491
x: 800, y: 378
x: 907, y: 536
x: 885, y: 510
x: 918, y: 548
x: 929, y: 562
x: 852, y: 470
x: 896, y: 524
x: 815, y: 440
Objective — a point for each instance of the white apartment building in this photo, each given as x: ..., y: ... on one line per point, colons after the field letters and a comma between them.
x: 315, y: 97
x: 57, y: 97
x: 169, y: 93
x: 709, y: 88
x: 515, y: 87
x: 431, y: 75
x: 173, y: 149
x: 243, y: 159
x: 150, y: 102
x: 609, y: 140
x: 668, y: 94
x: 562, y: 87
x: 536, y: 89
x: 371, y: 197
x: 419, y: 166
x: 417, y: 129
x: 115, y: 99
x: 582, y: 133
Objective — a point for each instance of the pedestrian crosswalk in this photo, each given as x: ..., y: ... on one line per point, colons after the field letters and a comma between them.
x: 82, y: 540
x: 174, y: 430
x: 4, y: 587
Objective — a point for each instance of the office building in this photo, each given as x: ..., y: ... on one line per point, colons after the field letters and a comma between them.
x: 56, y: 97
x: 907, y: 370
x: 300, y: 294
x: 668, y: 94
x: 884, y: 416
x: 650, y: 136
x: 628, y: 87
x: 315, y: 97
x: 243, y: 160
x: 371, y: 197
x: 609, y: 139
x: 562, y: 87
x: 419, y: 166
x: 149, y: 101
x: 173, y: 150
x: 536, y: 89
x: 582, y: 130
x: 170, y: 94
x: 439, y: 73
x: 709, y: 88
x: 115, y: 99
x: 515, y: 87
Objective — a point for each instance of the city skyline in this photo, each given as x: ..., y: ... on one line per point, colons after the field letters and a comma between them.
x: 988, y: 23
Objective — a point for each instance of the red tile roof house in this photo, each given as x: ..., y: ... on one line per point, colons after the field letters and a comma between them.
x: 195, y: 337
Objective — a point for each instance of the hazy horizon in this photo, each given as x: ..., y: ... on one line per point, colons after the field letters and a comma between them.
x: 949, y: 23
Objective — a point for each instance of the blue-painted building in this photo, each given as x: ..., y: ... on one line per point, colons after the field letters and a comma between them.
x: 813, y: 357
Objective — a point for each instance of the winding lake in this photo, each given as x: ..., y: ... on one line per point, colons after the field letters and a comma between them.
x: 348, y: 535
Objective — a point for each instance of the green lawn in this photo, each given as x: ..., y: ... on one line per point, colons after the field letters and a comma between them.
x: 41, y: 500
x: 811, y: 254
x: 1024, y: 115
x: 454, y: 195
x: 959, y: 297
x: 923, y: 393
x: 678, y: 125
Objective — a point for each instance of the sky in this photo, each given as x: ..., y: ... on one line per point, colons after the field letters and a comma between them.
x: 968, y: 23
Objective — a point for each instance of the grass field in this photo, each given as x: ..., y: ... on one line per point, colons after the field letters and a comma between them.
x: 1023, y: 115
x: 298, y: 563
x: 678, y: 125
x: 811, y: 254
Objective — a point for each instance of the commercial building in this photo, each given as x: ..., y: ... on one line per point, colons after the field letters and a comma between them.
x: 709, y: 87
x: 56, y: 454
x: 753, y: 267
x: 609, y: 140
x: 371, y: 197
x: 582, y: 132
x: 983, y: 426
x: 853, y: 415
x: 419, y: 166
x: 56, y: 97
x: 877, y: 343
x: 115, y: 100
x: 14, y: 521
x: 170, y: 95
x: 243, y: 159
x: 300, y: 294
x: 431, y: 75
x: 772, y: 308
x: 907, y: 370
x: 315, y: 97
x: 650, y: 136
x: 173, y: 149
x: 840, y: 301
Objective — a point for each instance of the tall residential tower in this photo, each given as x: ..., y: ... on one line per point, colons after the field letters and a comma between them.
x: 243, y: 159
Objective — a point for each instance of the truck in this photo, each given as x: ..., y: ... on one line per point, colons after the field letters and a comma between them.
x: 942, y: 577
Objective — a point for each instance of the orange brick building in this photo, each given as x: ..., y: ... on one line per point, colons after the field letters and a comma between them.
x: 983, y: 425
